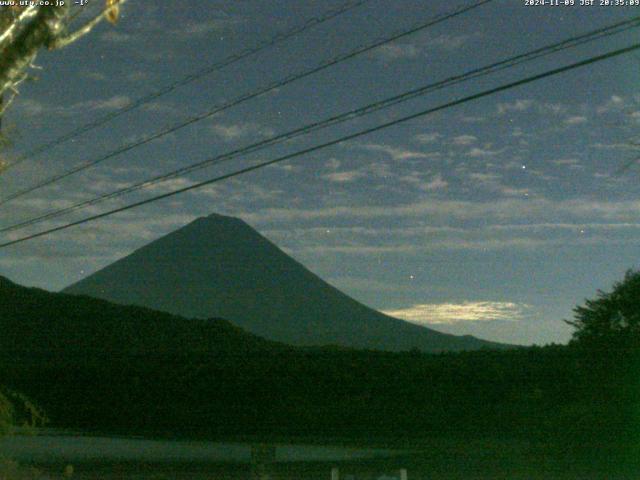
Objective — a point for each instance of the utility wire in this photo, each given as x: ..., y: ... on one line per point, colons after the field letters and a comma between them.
x: 324, y: 145
x: 370, y: 108
x: 243, y: 98
x: 279, y: 38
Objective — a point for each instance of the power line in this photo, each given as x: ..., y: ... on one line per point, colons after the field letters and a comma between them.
x: 370, y: 108
x: 281, y: 37
x: 321, y: 146
x: 243, y: 98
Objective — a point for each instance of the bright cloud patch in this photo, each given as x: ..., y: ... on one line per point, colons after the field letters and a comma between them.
x: 449, y: 313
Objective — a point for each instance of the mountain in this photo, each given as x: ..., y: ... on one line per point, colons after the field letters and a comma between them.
x: 37, y: 322
x: 219, y: 266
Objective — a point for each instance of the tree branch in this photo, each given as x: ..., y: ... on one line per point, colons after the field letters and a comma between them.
x: 62, y: 42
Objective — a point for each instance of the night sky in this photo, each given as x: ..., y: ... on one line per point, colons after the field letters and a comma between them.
x: 492, y: 218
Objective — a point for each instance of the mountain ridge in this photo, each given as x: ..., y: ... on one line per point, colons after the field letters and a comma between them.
x: 219, y: 266
x: 41, y: 322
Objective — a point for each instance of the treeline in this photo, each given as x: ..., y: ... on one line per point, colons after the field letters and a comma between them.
x: 530, y: 393
x: 92, y: 365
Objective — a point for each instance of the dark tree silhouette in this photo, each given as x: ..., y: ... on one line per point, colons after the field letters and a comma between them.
x: 5, y: 414
x: 612, y: 320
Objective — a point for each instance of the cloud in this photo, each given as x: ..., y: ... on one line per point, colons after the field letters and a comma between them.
x: 473, y: 119
x: 615, y: 103
x: 575, y: 120
x: 213, y: 26
x: 615, y: 146
x: 417, y: 179
x: 344, y: 177
x: 36, y: 108
x: 521, y: 105
x: 450, y: 42
x: 115, y: 102
x: 538, y: 210
x: 445, y: 42
x: 116, y: 36
x: 333, y: 163
x: 464, y: 140
x: 436, y: 183
x: 449, y: 313
x: 427, y: 137
x: 408, y: 239
x: 233, y: 132
x: 364, y: 284
x: 566, y: 162
x: 397, y: 51
x: 482, y: 152
x: 493, y: 182
x: 96, y: 76
x: 397, y: 153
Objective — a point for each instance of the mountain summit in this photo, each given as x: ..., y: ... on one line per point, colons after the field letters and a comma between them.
x: 218, y: 266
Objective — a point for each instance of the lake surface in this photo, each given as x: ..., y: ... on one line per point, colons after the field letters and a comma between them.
x: 118, y: 458
x: 58, y: 448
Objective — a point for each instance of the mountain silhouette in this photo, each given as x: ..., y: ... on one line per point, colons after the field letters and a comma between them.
x: 34, y: 322
x: 218, y: 266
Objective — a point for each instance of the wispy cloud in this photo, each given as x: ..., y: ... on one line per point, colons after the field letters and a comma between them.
x: 398, y: 153
x: 449, y: 313
x: 427, y: 138
x: 117, y: 36
x: 464, y: 140
x: 450, y: 42
x: 575, y: 120
x: 344, y: 177
x: 542, y: 209
x: 397, y: 51
x: 483, y: 152
x: 521, y: 105
x: 233, y: 132
x: 493, y: 182
x: 32, y: 107
x: 614, y: 103
x: 435, y: 183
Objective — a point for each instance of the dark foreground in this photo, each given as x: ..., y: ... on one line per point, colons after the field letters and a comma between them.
x: 436, y: 460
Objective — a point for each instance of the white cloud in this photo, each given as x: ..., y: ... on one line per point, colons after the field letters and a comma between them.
x: 538, y: 209
x: 344, y: 177
x: 436, y: 183
x: 448, y: 313
x: 493, y: 182
x: 521, y: 105
x: 32, y: 107
x: 213, y: 26
x: 575, y: 120
x: 615, y: 103
x: 116, y: 36
x: 333, y: 163
x: 235, y: 131
x: 566, y: 162
x: 615, y: 146
x: 450, y: 42
x: 483, y: 152
x: 464, y: 140
x: 427, y: 137
x: 114, y: 103
x: 397, y: 153
x: 397, y: 51
x: 473, y: 119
